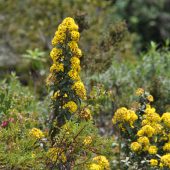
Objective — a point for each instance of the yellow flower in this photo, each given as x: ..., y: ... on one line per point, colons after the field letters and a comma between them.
x: 139, y: 91
x: 85, y: 114
x: 33, y: 155
x: 165, y: 160
x: 94, y: 166
x: 87, y: 140
x: 70, y: 24
x: 149, y: 110
x: 132, y: 117
x: 75, y: 36
x: 65, y: 95
x: 152, y: 150
x: 55, y: 95
x: 151, y: 115
x: 102, y: 161
x: 56, y: 155
x: 73, y: 46
x: 75, y: 64
x: 153, y: 162
x: 123, y: 115
x: 166, y: 147
x: 158, y: 128
x: 143, y: 141
x: 57, y: 67
x: 146, y: 130
x: 79, y: 89
x: 135, y: 146
x: 62, y: 28
x: 74, y: 75
x: 161, y: 165
x: 55, y: 54
x: 71, y: 106
x: 59, y: 37
x: 166, y: 119
x: 36, y: 133
x: 150, y: 98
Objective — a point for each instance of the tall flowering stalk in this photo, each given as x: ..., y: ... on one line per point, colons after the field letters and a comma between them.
x: 64, y: 79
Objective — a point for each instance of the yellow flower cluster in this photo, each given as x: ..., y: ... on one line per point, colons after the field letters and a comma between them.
x: 123, y: 115
x: 79, y: 89
x: 56, y: 155
x: 57, y: 67
x: 68, y: 24
x: 144, y: 141
x: 75, y: 64
x: 87, y: 140
x: 146, y: 130
x: 139, y: 91
x: 150, y: 127
x: 74, y: 49
x: 150, y: 98
x: 135, y: 146
x: 153, y: 162
x: 75, y: 36
x: 150, y: 123
x: 73, y: 74
x: 99, y: 163
x: 165, y: 160
x: 152, y: 131
x: 166, y: 147
x: 55, y: 54
x: 85, y: 114
x: 71, y: 106
x: 152, y: 150
x: 36, y: 133
x: 65, y: 56
x: 166, y: 119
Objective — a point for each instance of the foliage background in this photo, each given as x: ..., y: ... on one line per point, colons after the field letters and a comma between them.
x: 124, y: 43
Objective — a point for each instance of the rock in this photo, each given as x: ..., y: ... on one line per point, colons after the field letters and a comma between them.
x: 7, y: 57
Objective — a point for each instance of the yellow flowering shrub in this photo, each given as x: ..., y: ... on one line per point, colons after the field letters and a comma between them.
x: 147, y: 135
x: 74, y: 139
x: 64, y: 79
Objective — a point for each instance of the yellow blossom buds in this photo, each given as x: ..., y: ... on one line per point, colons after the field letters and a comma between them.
x: 152, y: 150
x: 36, y: 133
x: 100, y: 163
x: 153, y: 162
x: 139, y: 91
x: 123, y: 115
x: 87, y: 140
x: 135, y: 146
x: 71, y: 106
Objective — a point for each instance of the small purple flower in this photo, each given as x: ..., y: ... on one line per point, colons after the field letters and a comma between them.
x: 4, y: 124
